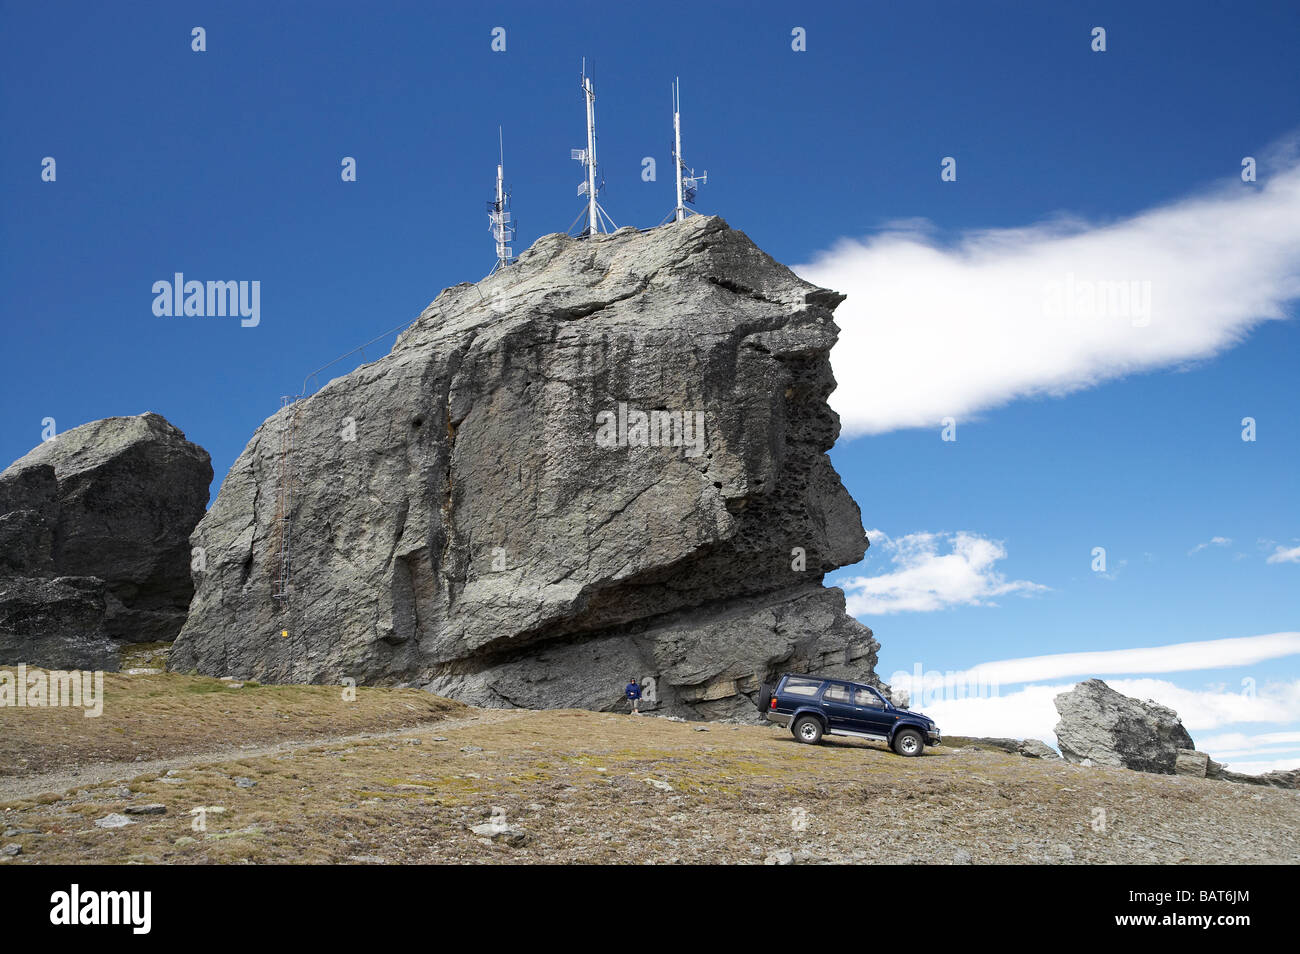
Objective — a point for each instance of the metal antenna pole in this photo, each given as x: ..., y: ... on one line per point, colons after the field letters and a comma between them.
x: 503, y: 229
x: 587, y: 157
x: 593, y: 222
x: 677, y: 147
x: 688, y: 183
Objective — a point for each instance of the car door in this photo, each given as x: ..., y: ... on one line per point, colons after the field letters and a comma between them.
x: 837, y: 703
x: 871, y: 713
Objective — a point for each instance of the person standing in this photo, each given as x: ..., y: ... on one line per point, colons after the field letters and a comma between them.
x: 633, y: 693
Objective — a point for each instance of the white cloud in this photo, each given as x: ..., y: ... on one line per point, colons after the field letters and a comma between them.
x: 1204, y: 709
x: 1285, y: 555
x: 1030, y: 713
x: 1177, y: 657
x: 1235, y: 742
x: 1114, y: 573
x: 1212, y: 542
x: 930, y: 331
x: 924, y: 579
x: 1027, y: 713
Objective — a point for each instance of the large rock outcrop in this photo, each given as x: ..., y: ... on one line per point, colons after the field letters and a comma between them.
x: 1109, y: 728
x: 94, y: 541
x: 481, y: 512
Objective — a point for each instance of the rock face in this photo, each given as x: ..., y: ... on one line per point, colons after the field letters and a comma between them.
x: 606, y: 461
x: 94, y: 549
x: 1100, y: 724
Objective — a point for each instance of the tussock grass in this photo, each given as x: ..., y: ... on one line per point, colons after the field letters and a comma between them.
x: 168, y: 714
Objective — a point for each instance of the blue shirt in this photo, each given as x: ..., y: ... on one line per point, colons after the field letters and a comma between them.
x: 633, y: 691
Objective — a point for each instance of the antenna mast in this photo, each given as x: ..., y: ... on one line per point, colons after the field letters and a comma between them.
x: 596, y: 216
x: 687, y: 184
x: 502, y: 226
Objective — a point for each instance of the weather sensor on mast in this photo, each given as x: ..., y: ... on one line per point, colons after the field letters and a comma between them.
x: 688, y: 183
x: 503, y: 227
x: 597, y: 217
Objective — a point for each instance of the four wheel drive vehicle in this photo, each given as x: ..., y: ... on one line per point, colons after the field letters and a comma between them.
x: 813, y: 706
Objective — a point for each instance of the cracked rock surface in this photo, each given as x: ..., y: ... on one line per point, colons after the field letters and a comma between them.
x: 94, y: 541
x: 458, y: 521
x: 1110, y: 728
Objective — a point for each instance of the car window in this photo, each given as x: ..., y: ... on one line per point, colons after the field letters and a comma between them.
x: 801, y: 687
x: 836, y: 694
x: 865, y: 697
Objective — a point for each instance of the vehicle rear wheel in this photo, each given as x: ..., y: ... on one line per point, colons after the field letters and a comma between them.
x: 807, y: 729
x: 908, y: 742
x: 764, y: 698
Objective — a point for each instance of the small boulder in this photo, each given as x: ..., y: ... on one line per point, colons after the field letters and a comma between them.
x: 1190, y: 762
x: 503, y: 834
x: 1036, y: 749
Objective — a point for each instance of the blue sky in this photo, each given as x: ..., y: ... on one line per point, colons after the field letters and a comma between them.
x: 225, y: 164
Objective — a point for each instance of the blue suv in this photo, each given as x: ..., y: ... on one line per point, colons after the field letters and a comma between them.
x: 813, y: 706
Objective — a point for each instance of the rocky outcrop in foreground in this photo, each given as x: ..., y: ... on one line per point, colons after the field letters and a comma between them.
x: 1108, y: 728
x: 606, y: 461
x: 94, y: 550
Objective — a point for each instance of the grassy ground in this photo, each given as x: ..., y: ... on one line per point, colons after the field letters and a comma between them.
x: 597, y: 787
x: 155, y: 716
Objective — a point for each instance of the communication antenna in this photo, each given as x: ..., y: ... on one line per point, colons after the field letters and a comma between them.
x: 498, y: 209
x: 597, y: 217
x: 688, y: 183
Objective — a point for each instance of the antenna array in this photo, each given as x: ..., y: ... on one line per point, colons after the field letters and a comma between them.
x: 597, y: 217
x: 688, y: 183
x: 499, y: 216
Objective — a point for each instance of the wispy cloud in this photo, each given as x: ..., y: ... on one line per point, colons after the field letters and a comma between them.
x: 1277, y: 703
x: 1212, y: 542
x: 926, y: 578
x: 1176, y: 657
x: 1285, y: 555
x: 1238, y: 743
x: 932, y: 331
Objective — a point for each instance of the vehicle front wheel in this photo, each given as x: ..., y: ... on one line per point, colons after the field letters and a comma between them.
x: 807, y: 730
x: 908, y: 742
